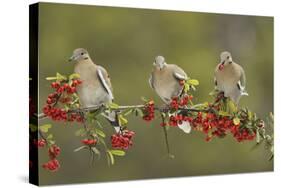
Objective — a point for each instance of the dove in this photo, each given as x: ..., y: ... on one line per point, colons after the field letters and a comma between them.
x: 165, y: 79
x: 230, y: 78
x: 96, y: 88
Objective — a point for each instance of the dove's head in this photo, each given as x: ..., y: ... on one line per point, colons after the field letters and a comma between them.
x: 79, y: 54
x: 226, y: 60
x: 159, y: 62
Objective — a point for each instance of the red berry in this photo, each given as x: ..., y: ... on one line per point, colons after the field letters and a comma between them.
x: 54, y: 151
x: 122, y: 140
x: 89, y: 141
x: 52, y: 165
x: 49, y: 101
x: 55, y: 85
x: 40, y: 143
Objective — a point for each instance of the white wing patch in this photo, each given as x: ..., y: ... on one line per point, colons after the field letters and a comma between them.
x: 242, y: 89
x: 180, y: 76
x: 185, y: 126
x: 150, y: 82
x: 103, y: 82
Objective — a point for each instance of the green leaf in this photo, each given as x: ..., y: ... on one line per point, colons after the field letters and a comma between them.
x: 78, y: 149
x: 101, y: 140
x: 60, y: 77
x: 186, y: 87
x: 96, y: 151
x: 44, y: 128
x: 231, y: 106
x: 128, y: 112
x: 49, y: 137
x: 258, y: 137
x: 93, y: 115
x: 193, y: 87
x: 113, y: 106
x: 51, y: 78
x: 99, y: 124
x: 33, y: 127
x: 214, y: 92
x: 118, y: 152
x: 139, y: 112
x: 51, y: 142
x: 250, y: 115
x: 193, y: 82
x: 74, y: 76
x: 223, y: 113
x: 200, y: 105
x: 144, y: 99
x: 236, y: 121
x: 76, y: 102
x: 111, y: 157
x: 122, y: 120
x: 100, y: 133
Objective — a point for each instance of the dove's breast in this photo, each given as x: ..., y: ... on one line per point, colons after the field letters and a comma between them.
x: 166, y: 85
x: 227, y: 80
x: 90, y: 92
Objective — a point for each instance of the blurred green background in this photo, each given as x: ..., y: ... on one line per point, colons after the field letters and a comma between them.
x: 125, y: 41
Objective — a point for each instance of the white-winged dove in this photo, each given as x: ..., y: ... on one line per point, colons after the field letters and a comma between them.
x: 165, y: 80
x: 96, y: 87
x: 230, y: 78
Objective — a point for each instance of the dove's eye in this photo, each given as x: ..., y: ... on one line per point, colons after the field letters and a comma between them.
x: 227, y: 57
x: 82, y: 53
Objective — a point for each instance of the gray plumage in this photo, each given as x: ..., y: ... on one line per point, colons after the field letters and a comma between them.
x: 96, y: 87
x: 230, y: 78
x: 165, y: 81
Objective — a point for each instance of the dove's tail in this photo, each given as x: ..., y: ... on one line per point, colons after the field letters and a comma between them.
x: 184, y: 125
x: 244, y: 93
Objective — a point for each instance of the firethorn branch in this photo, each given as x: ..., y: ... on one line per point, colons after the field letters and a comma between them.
x: 216, y: 119
x: 126, y: 107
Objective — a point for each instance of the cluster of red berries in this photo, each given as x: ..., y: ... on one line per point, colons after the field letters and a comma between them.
x: 180, y: 101
x: 53, y: 151
x: 213, y: 125
x: 70, y: 89
x: 149, y: 111
x: 174, y: 120
x: 122, y: 140
x: 177, y: 102
x: 89, y: 142
x: 40, y: 143
x: 58, y: 114
x: 52, y: 165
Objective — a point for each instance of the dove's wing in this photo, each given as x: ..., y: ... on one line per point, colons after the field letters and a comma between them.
x: 178, y: 73
x: 243, y: 79
x: 242, y: 82
x: 105, y: 81
x: 150, y: 81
